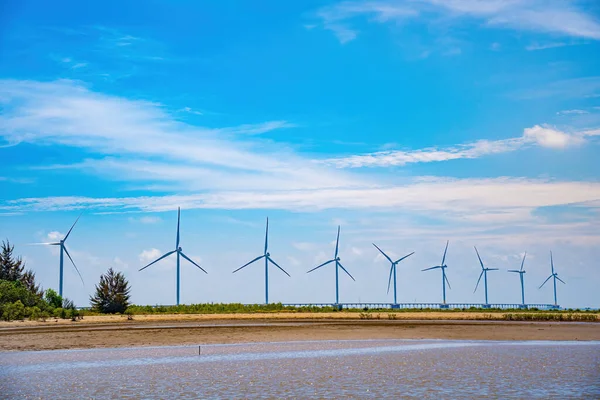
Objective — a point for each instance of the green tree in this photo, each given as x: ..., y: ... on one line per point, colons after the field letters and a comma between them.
x: 112, y: 293
x: 11, y: 268
x: 53, y: 298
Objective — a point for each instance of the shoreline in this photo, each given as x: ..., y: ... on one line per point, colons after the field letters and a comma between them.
x: 117, y: 331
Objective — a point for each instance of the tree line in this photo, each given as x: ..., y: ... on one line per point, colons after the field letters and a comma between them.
x: 22, y: 297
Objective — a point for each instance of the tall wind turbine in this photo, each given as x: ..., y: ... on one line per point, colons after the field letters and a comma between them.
x: 555, y: 276
x: 338, y: 265
x: 392, y: 270
x: 179, y: 252
x: 63, y: 249
x: 484, y: 272
x: 443, y: 267
x: 521, y: 272
x: 267, y: 256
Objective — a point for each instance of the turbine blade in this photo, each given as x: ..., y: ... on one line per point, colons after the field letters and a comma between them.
x: 551, y: 262
x: 178, y: 220
x: 514, y: 270
x: 447, y: 281
x: 492, y: 269
x: 76, y: 269
x: 523, y: 262
x: 190, y: 260
x: 445, y: 250
x: 248, y: 263
x: 322, y: 265
x: 344, y: 269
x: 480, y: 262
x: 381, y: 251
x: 478, y: 280
x: 390, y: 278
x: 561, y: 280
x: 72, y: 226
x: 337, y: 243
x: 267, y: 236
x: 277, y: 265
x: 42, y: 244
x: 545, y: 281
x: 427, y: 269
x: 158, y: 259
x: 406, y: 256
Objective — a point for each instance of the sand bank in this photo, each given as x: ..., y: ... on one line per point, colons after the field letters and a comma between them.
x: 161, y: 330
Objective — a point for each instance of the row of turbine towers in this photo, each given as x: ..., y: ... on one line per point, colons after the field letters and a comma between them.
x: 336, y: 259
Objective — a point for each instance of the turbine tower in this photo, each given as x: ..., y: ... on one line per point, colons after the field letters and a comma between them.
x: 179, y: 252
x: 392, y: 270
x: 63, y: 250
x: 443, y: 267
x: 484, y: 272
x: 267, y: 256
x: 555, y: 276
x: 338, y: 265
x: 521, y: 272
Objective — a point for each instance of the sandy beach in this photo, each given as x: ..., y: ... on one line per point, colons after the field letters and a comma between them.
x: 161, y: 330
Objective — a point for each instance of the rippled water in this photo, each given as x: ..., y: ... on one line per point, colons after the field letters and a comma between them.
x: 324, y: 369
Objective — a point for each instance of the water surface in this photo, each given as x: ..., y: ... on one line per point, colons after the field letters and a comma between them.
x: 324, y: 369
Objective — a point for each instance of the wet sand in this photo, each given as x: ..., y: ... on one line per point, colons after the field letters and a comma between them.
x: 116, y: 331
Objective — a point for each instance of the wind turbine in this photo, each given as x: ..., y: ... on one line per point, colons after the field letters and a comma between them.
x: 179, y: 252
x: 484, y: 272
x: 392, y: 269
x: 443, y: 267
x: 521, y: 272
x: 267, y: 256
x: 63, y: 249
x: 338, y: 265
x: 555, y: 276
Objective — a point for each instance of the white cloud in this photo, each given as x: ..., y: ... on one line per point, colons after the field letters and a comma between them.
x: 149, y: 255
x: 139, y: 141
x: 120, y: 265
x: 304, y: 246
x: 572, y: 112
x: 558, y: 17
x: 552, y: 138
x: 538, y: 46
x: 148, y: 219
x: 54, y: 236
x: 540, y: 135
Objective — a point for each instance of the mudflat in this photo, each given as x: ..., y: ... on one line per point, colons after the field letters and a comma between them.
x: 161, y: 330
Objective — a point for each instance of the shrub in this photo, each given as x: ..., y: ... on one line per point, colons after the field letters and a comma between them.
x: 13, y: 311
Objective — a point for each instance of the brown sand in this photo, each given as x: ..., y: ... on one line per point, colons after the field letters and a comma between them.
x: 158, y: 330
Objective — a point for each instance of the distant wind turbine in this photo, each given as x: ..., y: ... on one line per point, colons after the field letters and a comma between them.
x: 443, y: 267
x: 392, y: 270
x: 63, y: 249
x: 553, y: 275
x: 267, y: 256
x: 338, y: 265
x: 179, y: 252
x: 484, y: 272
x: 521, y: 272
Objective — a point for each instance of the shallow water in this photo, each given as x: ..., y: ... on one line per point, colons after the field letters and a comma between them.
x: 324, y: 369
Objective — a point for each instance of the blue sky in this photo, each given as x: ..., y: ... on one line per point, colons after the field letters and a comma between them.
x: 407, y: 122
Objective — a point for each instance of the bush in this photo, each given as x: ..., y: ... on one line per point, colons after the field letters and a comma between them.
x: 34, y: 313
x: 13, y: 311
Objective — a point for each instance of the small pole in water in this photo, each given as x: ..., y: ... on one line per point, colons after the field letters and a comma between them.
x: 199, y: 350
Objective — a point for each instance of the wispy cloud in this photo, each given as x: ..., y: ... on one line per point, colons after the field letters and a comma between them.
x: 544, y: 46
x: 157, y: 146
x: 558, y: 18
x: 544, y: 136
